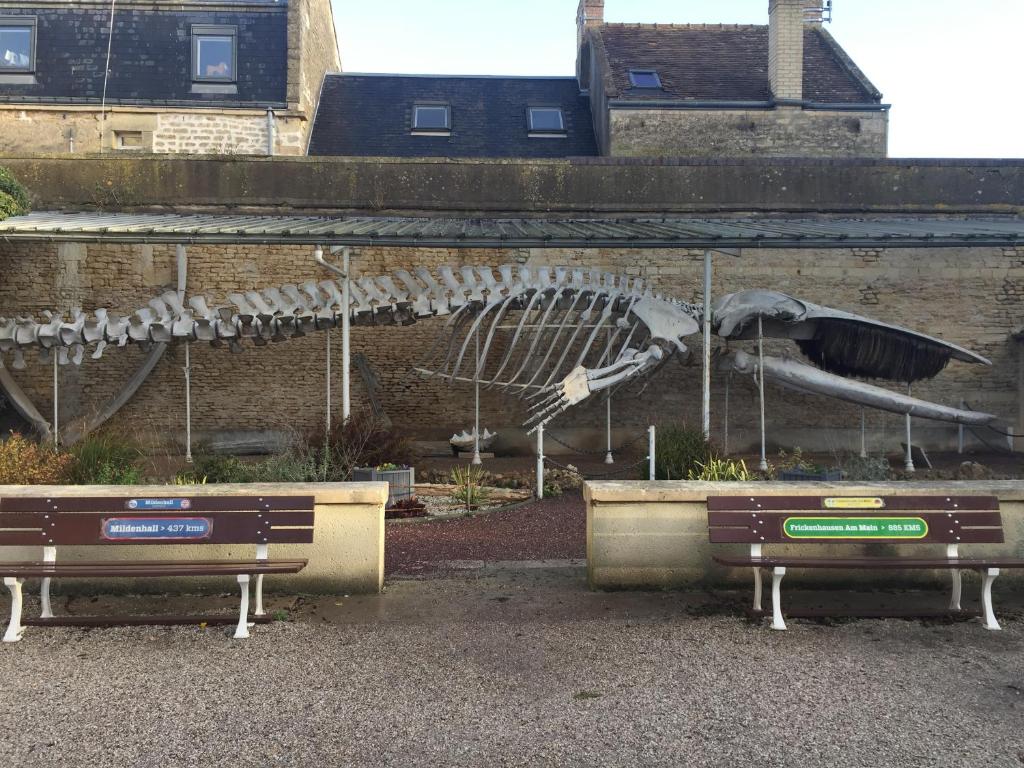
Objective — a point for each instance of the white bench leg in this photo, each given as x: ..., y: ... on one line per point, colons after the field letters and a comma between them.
x: 14, y: 628
x: 44, y: 598
x: 954, y: 601
x: 757, y: 590
x: 777, y: 621
x: 986, y: 598
x: 259, y: 596
x: 242, y: 631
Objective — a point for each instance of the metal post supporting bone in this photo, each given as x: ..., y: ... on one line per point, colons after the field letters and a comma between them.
x: 909, y: 464
x: 760, y: 389
x: 56, y: 400
x: 706, y: 408
x: 476, y: 405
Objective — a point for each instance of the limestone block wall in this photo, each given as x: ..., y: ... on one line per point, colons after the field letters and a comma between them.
x: 968, y: 295
x: 312, y: 52
x: 781, y: 132
x: 346, y: 556
x: 191, y: 131
x: 655, y: 535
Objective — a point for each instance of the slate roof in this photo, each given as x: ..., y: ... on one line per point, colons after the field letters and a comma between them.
x: 371, y: 115
x: 151, y: 56
x: 723, y: 62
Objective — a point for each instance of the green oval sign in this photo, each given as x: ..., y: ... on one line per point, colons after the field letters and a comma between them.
x: 855, y: 528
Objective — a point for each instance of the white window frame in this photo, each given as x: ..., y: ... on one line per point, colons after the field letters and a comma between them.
x: 545, y: 132
x: 26, y: 22
x: 431, y: 131
x: 200, y: 31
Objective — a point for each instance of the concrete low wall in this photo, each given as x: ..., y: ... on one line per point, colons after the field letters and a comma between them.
x: 643, y: 535
x: 346, y: 556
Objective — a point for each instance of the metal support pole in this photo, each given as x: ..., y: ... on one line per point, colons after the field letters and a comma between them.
x: 608, y: 458
x: 188, y: 402
x: 760, y: 390
x: 863, y: 433
x: 909, y: 465
x: 540, y: 462
x: 960, y: 430
x: 327, y: 420
x: 706, y: 408
x: 651, y: 443
x: 725, y: 417
x: 476, y: 417
x: 346, y: 345
x: 56, y: 398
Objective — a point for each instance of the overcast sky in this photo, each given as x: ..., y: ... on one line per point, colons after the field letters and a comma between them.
x: 950, y: 68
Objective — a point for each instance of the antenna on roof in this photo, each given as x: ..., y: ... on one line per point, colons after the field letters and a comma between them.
x: 819, y: 13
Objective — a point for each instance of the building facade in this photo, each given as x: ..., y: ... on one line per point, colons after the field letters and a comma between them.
x: 151, y: 76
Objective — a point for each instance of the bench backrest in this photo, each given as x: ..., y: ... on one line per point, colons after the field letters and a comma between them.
x: 949, y: 520
x: 260, y: 520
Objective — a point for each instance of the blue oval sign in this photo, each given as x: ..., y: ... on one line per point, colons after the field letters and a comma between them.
x: 157, y: 528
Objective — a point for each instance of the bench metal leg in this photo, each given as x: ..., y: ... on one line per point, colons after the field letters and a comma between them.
x: 14, y: 628
x: 986, y: 598
x: 757, y: 590
x: 44, y: 598
x: 777, y: 621
x: 242, y: 631
x: 954, y: 601
x: 259, y: 596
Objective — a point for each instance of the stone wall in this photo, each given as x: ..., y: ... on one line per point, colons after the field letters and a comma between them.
x: 969, y: 296
x: 781, y: 132
x: 194, y: 131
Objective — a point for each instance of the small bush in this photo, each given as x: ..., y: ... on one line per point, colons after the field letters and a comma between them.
x: 13, y: 197
x: 469, y: 486
x: 721, y: 470
x: 26, y: 462
x: 105, y: 458
x: 679, y: 450
x: 215, y: 468
x: 867, y: 469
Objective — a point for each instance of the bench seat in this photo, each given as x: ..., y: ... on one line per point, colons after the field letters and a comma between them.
x: 961, y: 563
x: 128, y: 568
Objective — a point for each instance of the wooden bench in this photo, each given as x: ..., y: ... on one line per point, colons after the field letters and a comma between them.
x: 893, y: 520
x: 117, y: 522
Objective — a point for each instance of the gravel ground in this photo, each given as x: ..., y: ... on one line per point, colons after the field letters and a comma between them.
x: 552, y: 529
x: 518, y: 669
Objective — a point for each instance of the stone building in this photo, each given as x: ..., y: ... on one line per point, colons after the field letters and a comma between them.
x: 236, y: 77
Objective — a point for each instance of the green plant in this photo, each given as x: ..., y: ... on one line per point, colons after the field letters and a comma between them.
x: 13, y: 197
x: 106, y: 458
x: 796, y: 462
x: 469, y: 486
x: 678, y: 450
x: 216, y: 468
x: 721, y: 470
x: 26, y: 462
x: 868, y: 468
x: 189, y: 478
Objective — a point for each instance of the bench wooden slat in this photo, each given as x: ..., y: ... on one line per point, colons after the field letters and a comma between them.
x: 119, y: 505
x: 152, y: 569
x: 817, y: 503
x: 869, y: 562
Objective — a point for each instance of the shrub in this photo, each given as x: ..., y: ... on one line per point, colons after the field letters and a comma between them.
x: 869, y: 468
x: 26, y: 462
x: 678, y: 450
x: 363, y: 441
x: 721, y: 470
x: 215, y: 468
x: 13, y: 197
x: 469, y: 486
x: 105, y: 458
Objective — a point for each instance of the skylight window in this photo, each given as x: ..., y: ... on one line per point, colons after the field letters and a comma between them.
x: 431, y: 118
x: 644, y: 78
x: 546, y: 120
x: 17, y: 44
x: 214, y: 54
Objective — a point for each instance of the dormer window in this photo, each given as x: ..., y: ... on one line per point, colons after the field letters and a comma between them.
x: 432, y: 119
x: 17, y: 45
x: 546, y: 121
x: 214, y: 54
x: 644, y: 78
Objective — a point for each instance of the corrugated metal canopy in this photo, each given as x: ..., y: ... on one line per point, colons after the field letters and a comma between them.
x: 679, y: 232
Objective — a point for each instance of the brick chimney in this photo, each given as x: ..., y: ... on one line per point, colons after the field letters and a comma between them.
x: 786, y: 20
x: 590, y: 14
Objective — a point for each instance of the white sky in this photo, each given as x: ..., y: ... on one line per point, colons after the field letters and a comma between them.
x: 951, y: 68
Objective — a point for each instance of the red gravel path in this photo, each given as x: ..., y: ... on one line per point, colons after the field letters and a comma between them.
x: 553, y: 529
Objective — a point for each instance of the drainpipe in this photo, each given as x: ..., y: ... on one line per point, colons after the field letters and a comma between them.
x: 271, y: 138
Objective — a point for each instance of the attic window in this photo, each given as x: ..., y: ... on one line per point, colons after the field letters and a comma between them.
x: 17, y: 44
x: 432, y: 118
x: 214, y: 54
x: 644, y: 78
x: 546, y: 121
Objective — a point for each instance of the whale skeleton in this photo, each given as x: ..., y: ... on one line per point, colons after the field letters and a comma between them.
x: 553, y: 336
